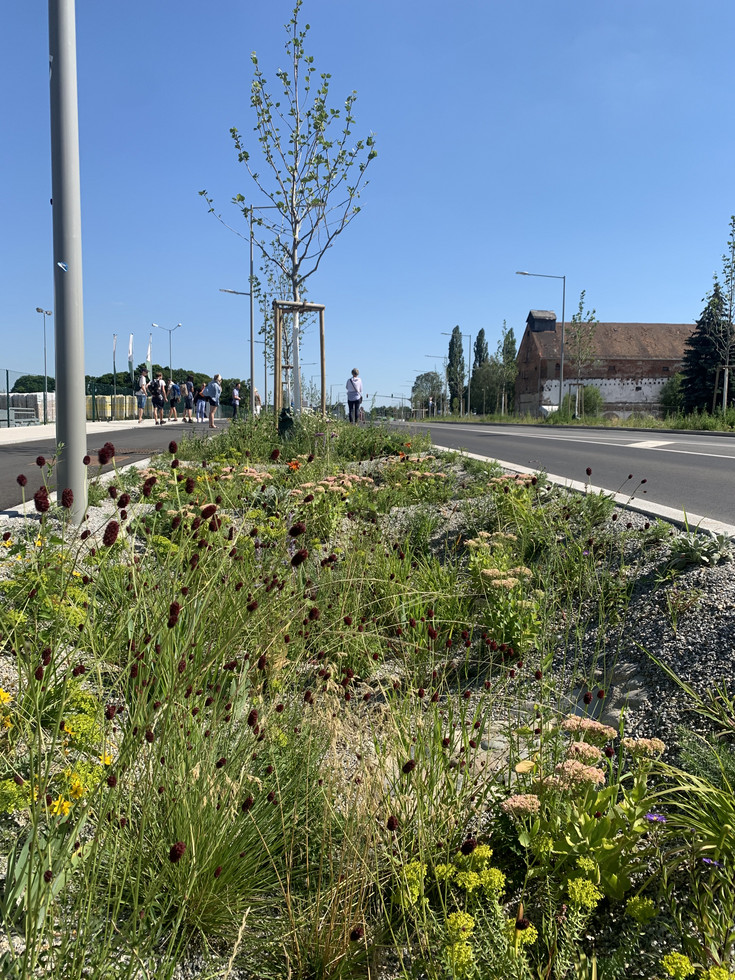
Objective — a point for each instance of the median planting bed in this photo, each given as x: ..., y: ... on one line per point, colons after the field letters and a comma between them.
x: 337, y: 706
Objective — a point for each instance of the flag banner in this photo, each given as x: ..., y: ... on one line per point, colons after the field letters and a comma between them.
x: 148, y: 357
x: 114, y: 350
x: 130, y: 360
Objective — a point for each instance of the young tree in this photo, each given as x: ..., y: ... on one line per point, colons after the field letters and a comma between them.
x: 481, y: 350
x: 580, y: 342
x: 724, y: 338
x: 315, y: 174
x: 702, y: 357
x: 455, y: 369
x: 487, y: 386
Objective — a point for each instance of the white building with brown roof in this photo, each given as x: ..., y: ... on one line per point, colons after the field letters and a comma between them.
x: 628, y: 362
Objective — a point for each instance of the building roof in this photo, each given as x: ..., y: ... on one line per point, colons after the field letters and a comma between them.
x: 622, y: 341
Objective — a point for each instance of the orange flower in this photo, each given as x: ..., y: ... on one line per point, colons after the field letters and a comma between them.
x: 294, y: 465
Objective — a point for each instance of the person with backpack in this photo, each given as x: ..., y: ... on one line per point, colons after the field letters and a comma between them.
x: 158, y: 398
x: 188, y: 393
x: 235, y: 400
x: 201, y: 402
x: 354, y: 395
x: 174, y: 394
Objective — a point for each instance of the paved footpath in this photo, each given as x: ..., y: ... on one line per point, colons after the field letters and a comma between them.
x: 20, y: 446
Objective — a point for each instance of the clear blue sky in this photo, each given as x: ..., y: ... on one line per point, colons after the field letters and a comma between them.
x: 588, y: 139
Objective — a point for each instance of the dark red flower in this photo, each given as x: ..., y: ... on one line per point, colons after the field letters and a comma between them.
x: 40, y: 461
x: 176, y: 852
x: 105, y: 454
x: 190, y: 484
x: 588, y: 697
x: 220, y: 762
x: 123, y: 501
x: 348, y: 620
x: 298, y: 528
x: 468, y: 845
x: 86, y: 460
x: 172, y: 447
x: 588, y: 471
x: 275, y: 454
x: 208, y: 512
x: 41, y: 501
x: 300, y: 557
x: 21, y: 479
x: 48, y: 876
x: 247, y: 804
x: 356, y: 934
x: 112, y: 780
x: 262, y: 662
x: 314, y: 613
x: 67, y: 498
x: 112, y: 491
x: 111, y: 532
x: 253, y: 718
x: 409, y: 766
x: 601, y: 694
x: 609, y: 751
x: 392, y: 824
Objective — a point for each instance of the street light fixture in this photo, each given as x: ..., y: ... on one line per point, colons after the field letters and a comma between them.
x: 541, y: 275
x: 469, y: 363
x: 40, y: 309
x: 169, y: 330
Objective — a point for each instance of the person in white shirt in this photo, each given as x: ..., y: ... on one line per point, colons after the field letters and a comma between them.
x: 354, y: 395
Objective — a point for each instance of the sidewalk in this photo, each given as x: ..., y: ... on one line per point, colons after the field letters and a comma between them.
x: 17, y: 435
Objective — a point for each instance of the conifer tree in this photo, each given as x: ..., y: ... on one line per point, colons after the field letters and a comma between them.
x: 702, y: 359
x: 481, y: 350
x: 455, y: 369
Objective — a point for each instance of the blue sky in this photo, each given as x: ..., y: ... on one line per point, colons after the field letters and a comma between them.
x: 581, y: 138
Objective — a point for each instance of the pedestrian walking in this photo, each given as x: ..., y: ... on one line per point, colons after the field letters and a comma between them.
x: 212, y: 393
x: 141, y: 392
x: 174, y: 395
x: 202, y: 402
x: 235, y: 400
x: 258, y: 402
x: 158, y: 398
x: 188, y: 393
x: 354, y: 395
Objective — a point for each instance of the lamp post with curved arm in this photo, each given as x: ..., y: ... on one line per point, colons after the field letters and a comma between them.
x: 541, y: 275
x: 169, y: 330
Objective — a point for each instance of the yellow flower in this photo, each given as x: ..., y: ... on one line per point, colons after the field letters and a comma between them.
x: 60, y: 806
x: 5, y: 698
x: 106, y: 759
x: 39, y: 542
x: 7, y: 723
x: 8, y: 543
x: 76, y: 788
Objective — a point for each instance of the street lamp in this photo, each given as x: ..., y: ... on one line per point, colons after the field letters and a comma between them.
x: 541, y: 275
x: 169, y: 330
x: 40, y: 309
x: 469, y: 362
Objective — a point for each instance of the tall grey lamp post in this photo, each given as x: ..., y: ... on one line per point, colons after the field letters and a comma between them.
x: 469, y: 366
x: 46, y: 313
x: 541, y: 275
x: 169, y: 330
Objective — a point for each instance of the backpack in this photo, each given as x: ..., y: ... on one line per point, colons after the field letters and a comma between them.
x: 174, y: 391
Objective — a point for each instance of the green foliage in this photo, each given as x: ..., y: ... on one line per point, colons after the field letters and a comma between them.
x: 671, y: 397
x: 33, y: 383
x: 695, y: 548
x: 456, y: 369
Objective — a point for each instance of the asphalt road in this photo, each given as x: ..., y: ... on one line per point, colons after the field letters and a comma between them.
x: 130, y: 444
x: 691, y: 473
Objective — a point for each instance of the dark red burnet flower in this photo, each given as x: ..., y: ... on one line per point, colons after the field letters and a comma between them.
x: 408, y: 766
x: 209, y: 511
x: 298, y: 528
x: 177, y: 851
x: 173, y: 447
x: 48, y: 875
x: 86, y: 460
x: 67, y: 498
x: 174, y: 611
x: 40, y: 461
x: 123, y: 501
x: 300, y: 557
x: 112, y: 491
x: 41, y: 501
x: 105, y: 454
x: 190, y: 484
x: 467, y: 846
x: 392, y: 823
x: 220, y: 763
x: 111, y: 532
x: 588, y: 471
x: 275, y: 454
x: 21, y: 479
x: 356, y: 934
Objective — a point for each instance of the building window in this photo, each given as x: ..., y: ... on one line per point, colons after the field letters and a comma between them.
x: 612, y: 369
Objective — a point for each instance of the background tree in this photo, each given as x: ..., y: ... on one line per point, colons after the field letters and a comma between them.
x: 702, y: 358
x: 487, y: 386
x: 427, y: 385
x: 724, y: 338
x: 481, y: 350
x: 31, y: 383
x: 671, y: 397
x: 580, y: 344
x: 507, y: 353
x: 315, y: 174
x: 455, y: 370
